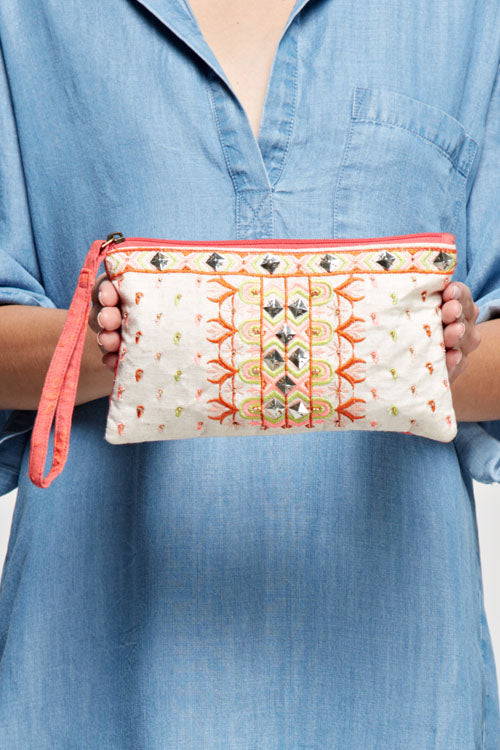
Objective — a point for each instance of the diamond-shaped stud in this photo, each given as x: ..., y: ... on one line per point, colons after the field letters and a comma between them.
x: 159, y: 261
x: 298, y: 307
x: 270, y: 263
x: 299, y: 408
x: 443, y: 260
x: 215, y: 261
x: 275, y: 408
x: 385, y: 259
x: 285, y: 384
x: 299, y: 357
x: 273, y: 307
x: 329, y: 262
x: 285, y: 334
x: 273, y: 359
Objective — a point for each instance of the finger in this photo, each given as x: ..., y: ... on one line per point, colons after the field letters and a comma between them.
x: 453, y: 290
x: 465, y: 298
x: 95, y: 288
x: 453, y: 357
x: 451, y: 311
x: 109, y: 318
x: 110, y: 359
x: 94, y: 312
x: 471, y: 340
x: 467, y: 302
x: 110, y: 340
x: 107, y: 294
x: 453, y: 333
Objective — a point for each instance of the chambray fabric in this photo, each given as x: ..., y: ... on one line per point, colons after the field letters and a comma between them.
x: 269, y: 592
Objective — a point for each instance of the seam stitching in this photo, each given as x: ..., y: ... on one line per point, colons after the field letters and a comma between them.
x: 421, y: 137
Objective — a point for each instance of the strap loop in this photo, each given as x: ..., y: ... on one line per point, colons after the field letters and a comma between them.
x: 61, y: 381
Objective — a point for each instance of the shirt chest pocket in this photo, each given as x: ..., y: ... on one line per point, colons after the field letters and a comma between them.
x: 404, y: 167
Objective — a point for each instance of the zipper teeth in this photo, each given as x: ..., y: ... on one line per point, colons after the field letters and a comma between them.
x: 433, y: 237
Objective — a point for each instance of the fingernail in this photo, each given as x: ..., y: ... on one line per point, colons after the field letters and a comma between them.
x: 98, y: 320
x: 459, y: 356
x: 460, y: 311
x: 100, y: 298
x: 462, y: 327
x: 98, y: 339
x: 457, y: 291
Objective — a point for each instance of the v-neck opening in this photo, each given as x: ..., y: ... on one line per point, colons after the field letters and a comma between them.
x: 261, y: 153
x: 271, y: 143
x: 256, y: 163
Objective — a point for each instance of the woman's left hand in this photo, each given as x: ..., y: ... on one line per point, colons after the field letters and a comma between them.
x: 461, y: 335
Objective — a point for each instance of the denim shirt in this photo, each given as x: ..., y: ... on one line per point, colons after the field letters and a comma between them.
x: 379, y: 119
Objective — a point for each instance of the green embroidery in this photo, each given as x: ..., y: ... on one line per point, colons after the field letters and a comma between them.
x: 177, y: 375
x: 177, y: 337
x: 178, y: 410
x: 177, y: 298
x: 394, y: 410
x: 393, y: 373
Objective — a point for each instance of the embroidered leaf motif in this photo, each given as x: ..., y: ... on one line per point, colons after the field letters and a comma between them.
x: 353, y: 406
x: 221, y: 364
x: 230, y: 409
x: 350, y: 369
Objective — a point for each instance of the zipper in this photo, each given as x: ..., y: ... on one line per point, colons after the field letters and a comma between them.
x: 433, y: 237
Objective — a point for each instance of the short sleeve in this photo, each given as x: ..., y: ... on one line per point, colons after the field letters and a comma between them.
x: 20, y: 279
x: 478, y: 443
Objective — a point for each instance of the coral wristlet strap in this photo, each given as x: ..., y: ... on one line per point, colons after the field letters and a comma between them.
x: 61, y: 381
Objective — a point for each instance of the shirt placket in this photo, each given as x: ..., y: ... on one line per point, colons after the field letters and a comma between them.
x: 255, y: 166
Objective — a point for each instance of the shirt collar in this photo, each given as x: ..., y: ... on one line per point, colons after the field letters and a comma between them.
x: 177, y: 16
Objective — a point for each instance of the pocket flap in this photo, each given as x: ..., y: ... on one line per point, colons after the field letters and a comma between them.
x: 392, y: 108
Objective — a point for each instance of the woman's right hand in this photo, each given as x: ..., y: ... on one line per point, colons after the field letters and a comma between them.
x: 105, y: 318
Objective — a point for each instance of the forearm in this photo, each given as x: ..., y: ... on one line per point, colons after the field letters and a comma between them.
x: 476, y: 392
x: 28, y: 338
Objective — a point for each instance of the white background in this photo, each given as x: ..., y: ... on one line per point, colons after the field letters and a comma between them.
x: 488, y: 515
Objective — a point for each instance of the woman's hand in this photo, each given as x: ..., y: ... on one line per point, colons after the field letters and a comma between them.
x: 461, y: 336
x: 105, y: 317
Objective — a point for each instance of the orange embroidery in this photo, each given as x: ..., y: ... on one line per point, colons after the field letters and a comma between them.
x: 138, y: 375
x: 343, y: 370
x: 344, y: 409
x: 140, y: 411
x: 138, y: 297
x: 228, y: 370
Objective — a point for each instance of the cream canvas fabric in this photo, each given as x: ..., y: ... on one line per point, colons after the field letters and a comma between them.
x: 249, y: 338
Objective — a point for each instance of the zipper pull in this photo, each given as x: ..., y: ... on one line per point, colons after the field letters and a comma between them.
x: 112, y: 237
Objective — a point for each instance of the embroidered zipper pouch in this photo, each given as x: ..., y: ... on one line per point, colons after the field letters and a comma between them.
x: 258, y: 337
